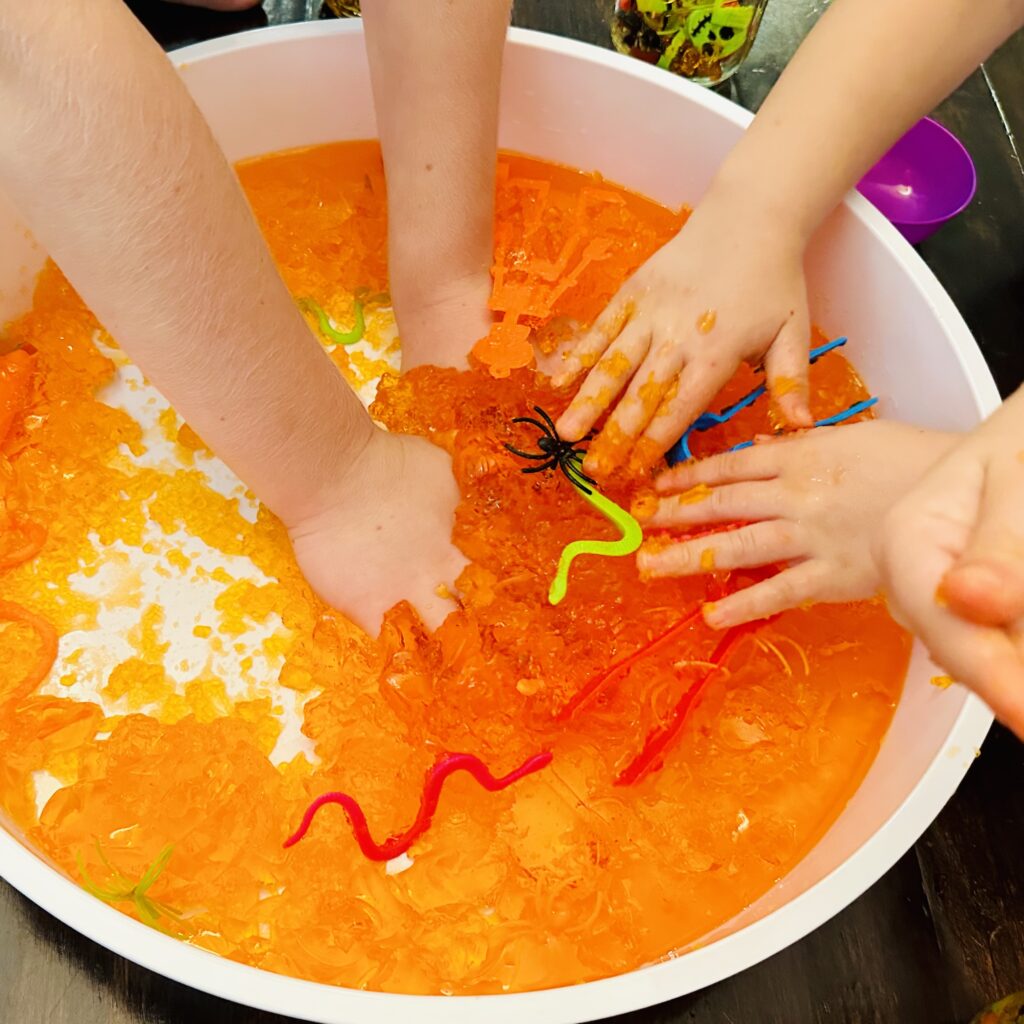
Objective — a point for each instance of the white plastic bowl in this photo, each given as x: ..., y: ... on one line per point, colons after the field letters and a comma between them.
x: 564, y: 101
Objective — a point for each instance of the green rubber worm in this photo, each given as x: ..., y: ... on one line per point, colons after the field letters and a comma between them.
x: 121, y: 888
x: 627, y: 544
x: 329, y: 332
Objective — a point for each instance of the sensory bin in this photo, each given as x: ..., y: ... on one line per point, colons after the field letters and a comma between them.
x: 162, y: 761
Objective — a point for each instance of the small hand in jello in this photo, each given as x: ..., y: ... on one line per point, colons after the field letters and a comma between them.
x: 370, y: 515
x: 951, y: 555
x: 440, y: 322
x: 811, y: 503
x: 383, y: 533
x: 728, y: 288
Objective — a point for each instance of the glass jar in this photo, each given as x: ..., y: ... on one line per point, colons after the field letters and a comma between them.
x: 703, y: 40
x: 332, y: 9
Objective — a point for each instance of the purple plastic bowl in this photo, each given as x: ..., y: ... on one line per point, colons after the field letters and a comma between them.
x: 926, y: 179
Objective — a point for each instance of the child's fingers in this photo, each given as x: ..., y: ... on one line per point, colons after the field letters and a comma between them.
x: 786, y: 368
x: 988, y: 592
x: 697, y: 386
x: 745, y: 548
x: 983, y: 658
x: 913, y: 559
x: 648, y: 387
x: 604, y: 330
x: 759, y: 462
x: 997, y: 676
x: 605, y: 381
x: 785, y: 590
x: 986, y: 583
x: 743, y: 502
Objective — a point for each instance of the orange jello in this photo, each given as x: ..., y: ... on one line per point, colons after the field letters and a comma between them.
x: 185, y: 734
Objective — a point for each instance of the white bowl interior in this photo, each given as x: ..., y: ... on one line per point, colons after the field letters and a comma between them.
x: 563, y: 101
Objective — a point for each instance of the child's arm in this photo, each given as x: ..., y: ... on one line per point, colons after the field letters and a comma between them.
x: 120, y: 179
x: 865, y: 74
x: 436, y: 70
x: 122, y: 182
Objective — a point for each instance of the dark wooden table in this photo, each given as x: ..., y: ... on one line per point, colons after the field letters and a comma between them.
x: 943, y: 932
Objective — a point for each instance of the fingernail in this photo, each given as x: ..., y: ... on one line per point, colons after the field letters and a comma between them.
x: 645, y: 565
x: 800, y: 417
x: 644, y: 507
x: 790, y: 392
x: 649, y: 558
x: 645, y: 456
x: 711, y: 616
x: 976, y: 577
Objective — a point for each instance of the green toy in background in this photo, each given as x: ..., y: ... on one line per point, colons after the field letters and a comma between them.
x: 341, y: 8
x: 1007, y: 1011
x: 703, y: 40
x: 723, y: 28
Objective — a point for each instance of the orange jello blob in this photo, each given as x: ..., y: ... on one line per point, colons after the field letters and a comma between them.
x: 563, y: 877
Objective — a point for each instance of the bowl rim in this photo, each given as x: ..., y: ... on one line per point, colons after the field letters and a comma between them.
x: 327, y: 1004
x: 962, y: 154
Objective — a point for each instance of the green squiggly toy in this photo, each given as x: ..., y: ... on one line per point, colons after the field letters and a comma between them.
x: 329, y: 331
x: 120, y: 888
x: 627, y: 544
x: 554, y: 452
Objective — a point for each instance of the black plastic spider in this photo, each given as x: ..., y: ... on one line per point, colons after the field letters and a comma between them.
x: 555, y: 452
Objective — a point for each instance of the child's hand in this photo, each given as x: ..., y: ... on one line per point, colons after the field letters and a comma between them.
x: 385, y: 535
x: 730, y: 287
x: 951, y: 555
x: 813, y: 502
x: 439, y: 325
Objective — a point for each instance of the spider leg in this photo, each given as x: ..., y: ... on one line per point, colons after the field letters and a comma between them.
x: 551, y: 464
x: 576, y: 476
x: 578, y: 484
x: 527, y: 455
x: 549, y: 421
x: 535, y: 423
x: 583, y: 476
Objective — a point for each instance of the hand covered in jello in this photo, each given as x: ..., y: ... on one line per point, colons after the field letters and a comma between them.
x: 728, y: 288
x: 383, y: 535
x: 951, y: 555
x: 811, y: 503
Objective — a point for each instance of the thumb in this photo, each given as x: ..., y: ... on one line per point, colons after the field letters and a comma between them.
x: 986, y: 583
x: 786, y: 367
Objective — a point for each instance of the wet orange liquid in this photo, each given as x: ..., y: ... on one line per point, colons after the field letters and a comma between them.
x: 563, y: 877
